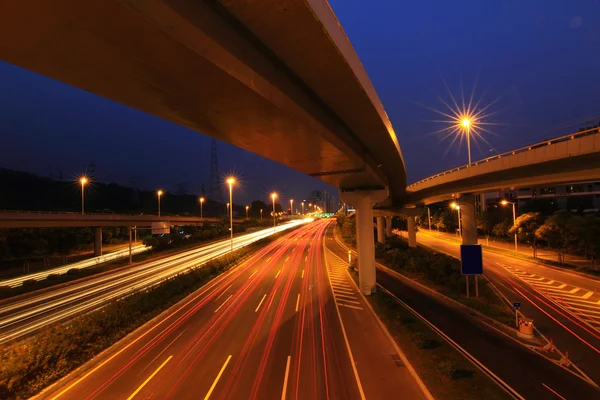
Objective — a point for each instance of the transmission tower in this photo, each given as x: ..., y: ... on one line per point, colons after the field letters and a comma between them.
x: 214, y: 191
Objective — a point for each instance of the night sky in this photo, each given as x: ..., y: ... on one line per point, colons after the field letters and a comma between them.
x: 537, y: 62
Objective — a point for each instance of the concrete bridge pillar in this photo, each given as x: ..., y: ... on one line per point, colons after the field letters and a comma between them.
x: 468, y: 215
x: 412, y: 232
x: 380, y: 230
x: 97, y: 241
x: 363, y: 201
x: 388, y: 226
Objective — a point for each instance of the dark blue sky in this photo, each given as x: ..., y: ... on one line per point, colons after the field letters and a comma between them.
x: 540, y: 59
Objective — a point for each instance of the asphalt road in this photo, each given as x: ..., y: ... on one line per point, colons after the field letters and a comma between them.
x: 267, y: 329
x: 529, y: 374
x: 523, y: 281
x: 27, y: 314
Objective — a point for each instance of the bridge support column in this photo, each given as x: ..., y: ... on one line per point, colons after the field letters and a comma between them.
x: 97, y: 241
x: 412, y: 232
x: 363, y: 202
x: 388, y: 226
x: 380, y: 230
x: 469, y: 219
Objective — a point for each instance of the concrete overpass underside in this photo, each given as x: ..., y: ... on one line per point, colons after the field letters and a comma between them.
x: 274, y: 77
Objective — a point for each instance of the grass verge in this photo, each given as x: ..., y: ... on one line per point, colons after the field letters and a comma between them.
x: 28, y: 366
x: 445, y: 372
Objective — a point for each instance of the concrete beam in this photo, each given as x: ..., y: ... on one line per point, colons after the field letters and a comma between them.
x: 97, y: 241
x: 412, y: 232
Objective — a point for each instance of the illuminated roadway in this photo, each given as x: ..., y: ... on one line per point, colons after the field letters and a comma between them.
x: 267, y: 329
x: 90, y: 262
x: 29, y: 313
x: 560, y: 302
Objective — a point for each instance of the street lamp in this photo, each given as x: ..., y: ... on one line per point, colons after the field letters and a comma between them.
x: 83, y: 181
x: 247, y: 208
x: 505, y: 202
x: 466, y: 125
x: 302, y: 208
x: 261, y: 210
x: 201, y: 203
x: 274, y: 196
x: 291, y: 207
x: 159, y: 193
x: 455, y: 206
x: 230, y: 182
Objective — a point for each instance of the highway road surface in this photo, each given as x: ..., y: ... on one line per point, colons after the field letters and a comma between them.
x: 26, y: 314
x: 90, y: 262
x: 565, y: 306
x: 267, y: 329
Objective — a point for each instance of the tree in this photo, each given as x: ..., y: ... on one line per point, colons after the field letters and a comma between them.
x: 526, y: 226
x: 586, y: 232
x: 502, y: 229
x: 557, y: 233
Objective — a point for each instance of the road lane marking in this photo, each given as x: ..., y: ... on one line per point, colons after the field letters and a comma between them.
x: 223, y: 292
x: 285, y: 379
x: 261, y: 301
x: 278, y: 272
x: 217, y: 378
x: 349, y: 306
x: 347, y: 301
x: 556, y: 394
x: 149, y: 378
x: 226, y: 300
x: 288, y: 257
x: 302, y: 274
x: 305, y: 258
x: 587, y: 295
x: 255, y: 271
x: 297, y: 302
x: 269, y: 258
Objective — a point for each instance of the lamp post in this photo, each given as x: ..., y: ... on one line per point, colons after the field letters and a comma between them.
x: 302, y: 208
x: 159, y: 193
x: 231, y: 181
x: 201, y: 203
x: 466, y: 124
x: 505, y: 202
x: 247, y: 208
x: 261, y: 210
x: 455, y: 206
x: 274, y: 196
x: 83, y: 181
x: 291, y: 207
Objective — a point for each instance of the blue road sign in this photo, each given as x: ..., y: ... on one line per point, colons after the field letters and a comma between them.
x: 516, y: 305
x: 471, y: 261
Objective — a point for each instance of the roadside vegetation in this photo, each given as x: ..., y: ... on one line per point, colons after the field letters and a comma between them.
x: 435, y: 270
x: 561, y: 231
x: 28, y: 366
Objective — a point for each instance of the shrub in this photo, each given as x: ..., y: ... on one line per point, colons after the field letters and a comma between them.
x: 29, y: 282
x: 73, y: 271
x: 53, y: 277
x: 422, y: 341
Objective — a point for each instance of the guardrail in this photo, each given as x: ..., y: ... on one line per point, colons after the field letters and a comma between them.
x: 538, y: 145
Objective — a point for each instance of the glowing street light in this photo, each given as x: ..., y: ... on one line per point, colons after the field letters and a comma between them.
x: 247, y: 208
x: 274, y: 196
x: 261, y: 211
x: 456, y: 207
x: 466, y: 125
x: 230, y: 182
x: 201, y: 203
x: 159, y: 193
x: 83, y: 180
x: 504, y: 203
x: 303, y: 208
x: 291, y: 207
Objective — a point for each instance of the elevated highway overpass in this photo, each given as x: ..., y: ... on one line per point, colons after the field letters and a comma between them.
x: 567, y: 159
x: 278, y: 78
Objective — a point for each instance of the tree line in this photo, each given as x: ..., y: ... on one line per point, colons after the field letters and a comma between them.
x: 563, y: 231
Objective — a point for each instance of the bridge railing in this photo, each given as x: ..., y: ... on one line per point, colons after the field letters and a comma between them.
x: 524, y: 149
